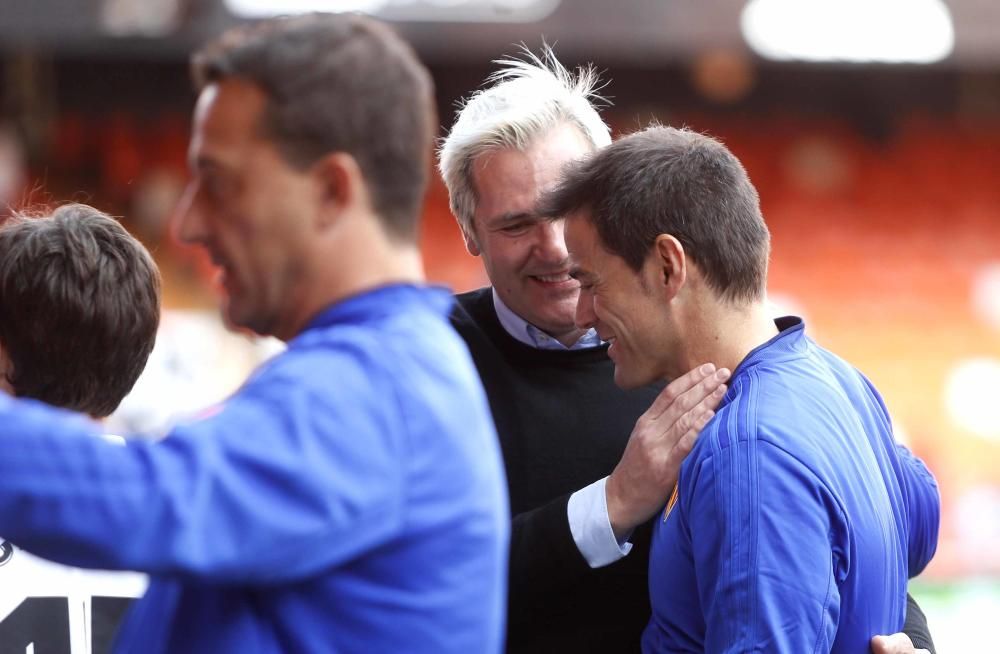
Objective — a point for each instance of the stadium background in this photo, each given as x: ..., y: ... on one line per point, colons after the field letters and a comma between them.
x: 879, y: 182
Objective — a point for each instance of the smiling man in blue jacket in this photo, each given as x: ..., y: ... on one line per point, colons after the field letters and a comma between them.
x: 797, y: 518
x: 350, y: 497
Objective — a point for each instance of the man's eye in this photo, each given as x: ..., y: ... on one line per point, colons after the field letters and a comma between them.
x: 215, y: 187
x: 516, y: 228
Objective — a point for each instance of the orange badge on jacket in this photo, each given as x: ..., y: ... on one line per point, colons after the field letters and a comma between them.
x: 670, y: 504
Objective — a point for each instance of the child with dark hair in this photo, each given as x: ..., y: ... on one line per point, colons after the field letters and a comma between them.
x: 79, y: 311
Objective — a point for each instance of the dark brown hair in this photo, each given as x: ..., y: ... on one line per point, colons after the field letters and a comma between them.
x: 338, y: 83
x: 79, y: 308
x: 672, y: 181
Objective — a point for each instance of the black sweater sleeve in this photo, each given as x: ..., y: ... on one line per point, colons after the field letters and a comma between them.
x: 558, y: 602
x: 544, y: 559
x: 562, y: 424
x: 916, y: 626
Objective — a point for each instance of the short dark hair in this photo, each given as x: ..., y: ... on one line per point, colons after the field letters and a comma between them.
x: 663, y: 180
x: 338, y: 83
x: 79, y: 308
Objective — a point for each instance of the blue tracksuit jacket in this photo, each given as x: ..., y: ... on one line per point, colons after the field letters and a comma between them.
x: 349, y: 498
x: 797, y: 519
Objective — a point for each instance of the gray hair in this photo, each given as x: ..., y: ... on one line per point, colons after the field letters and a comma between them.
x: 528, y: 97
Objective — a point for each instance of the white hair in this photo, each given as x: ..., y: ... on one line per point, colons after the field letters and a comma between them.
x: 528, y: 97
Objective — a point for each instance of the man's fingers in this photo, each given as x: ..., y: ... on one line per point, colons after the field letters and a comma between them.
x: 712, y: 399
x: 894, y: 644
x: 703, y: 395
x: 678, y: 387
x: 694, y: 421
x: 686, y: 442
x: 677, y: 419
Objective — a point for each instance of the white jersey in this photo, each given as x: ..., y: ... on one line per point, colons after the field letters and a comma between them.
x: 48, y: 608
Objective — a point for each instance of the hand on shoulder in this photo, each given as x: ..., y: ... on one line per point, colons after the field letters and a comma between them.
x: 894, y: 644
x: 662, y: 437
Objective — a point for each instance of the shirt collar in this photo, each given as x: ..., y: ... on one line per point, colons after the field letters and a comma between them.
x: 380, y: 300
x: 790, y: 341
x: 524, y: 332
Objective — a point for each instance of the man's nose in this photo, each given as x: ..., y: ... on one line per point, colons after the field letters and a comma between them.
x: 188, y: 223
x: 551, y: 244
x: 585, y: 318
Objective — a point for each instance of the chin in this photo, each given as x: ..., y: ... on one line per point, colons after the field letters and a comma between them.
x: 624, y: 382
x: 237, y: 320
x: 556, y: 326
x: 547, y: 318
x: 628, y: 381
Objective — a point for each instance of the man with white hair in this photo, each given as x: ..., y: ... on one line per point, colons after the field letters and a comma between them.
x: 563, y: 424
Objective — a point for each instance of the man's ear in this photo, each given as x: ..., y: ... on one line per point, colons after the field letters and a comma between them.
x: 470, y: 241
x: 6, y: 367
x: 340, y: 185
x: 670, y: 265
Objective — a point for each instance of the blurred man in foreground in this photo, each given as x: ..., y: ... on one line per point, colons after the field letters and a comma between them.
x: 79, y: 309
x: 797, y: 519
x: 350, y: 496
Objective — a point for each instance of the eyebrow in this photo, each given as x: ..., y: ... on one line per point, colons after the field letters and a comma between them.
x: 514, y: 216
x: 203, y: 163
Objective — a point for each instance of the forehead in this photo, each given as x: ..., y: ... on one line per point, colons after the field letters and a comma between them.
x: 226, y: 119
x: 508, y: 180
x: 591, y: 262
x: 583, y: 243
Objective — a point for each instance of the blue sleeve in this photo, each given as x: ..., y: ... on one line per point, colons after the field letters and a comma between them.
x: 923, y: 509
x: 760, y: 523
x: 297, y: 473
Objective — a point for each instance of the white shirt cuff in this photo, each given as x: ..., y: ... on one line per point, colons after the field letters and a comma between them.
x: 591, y: 527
